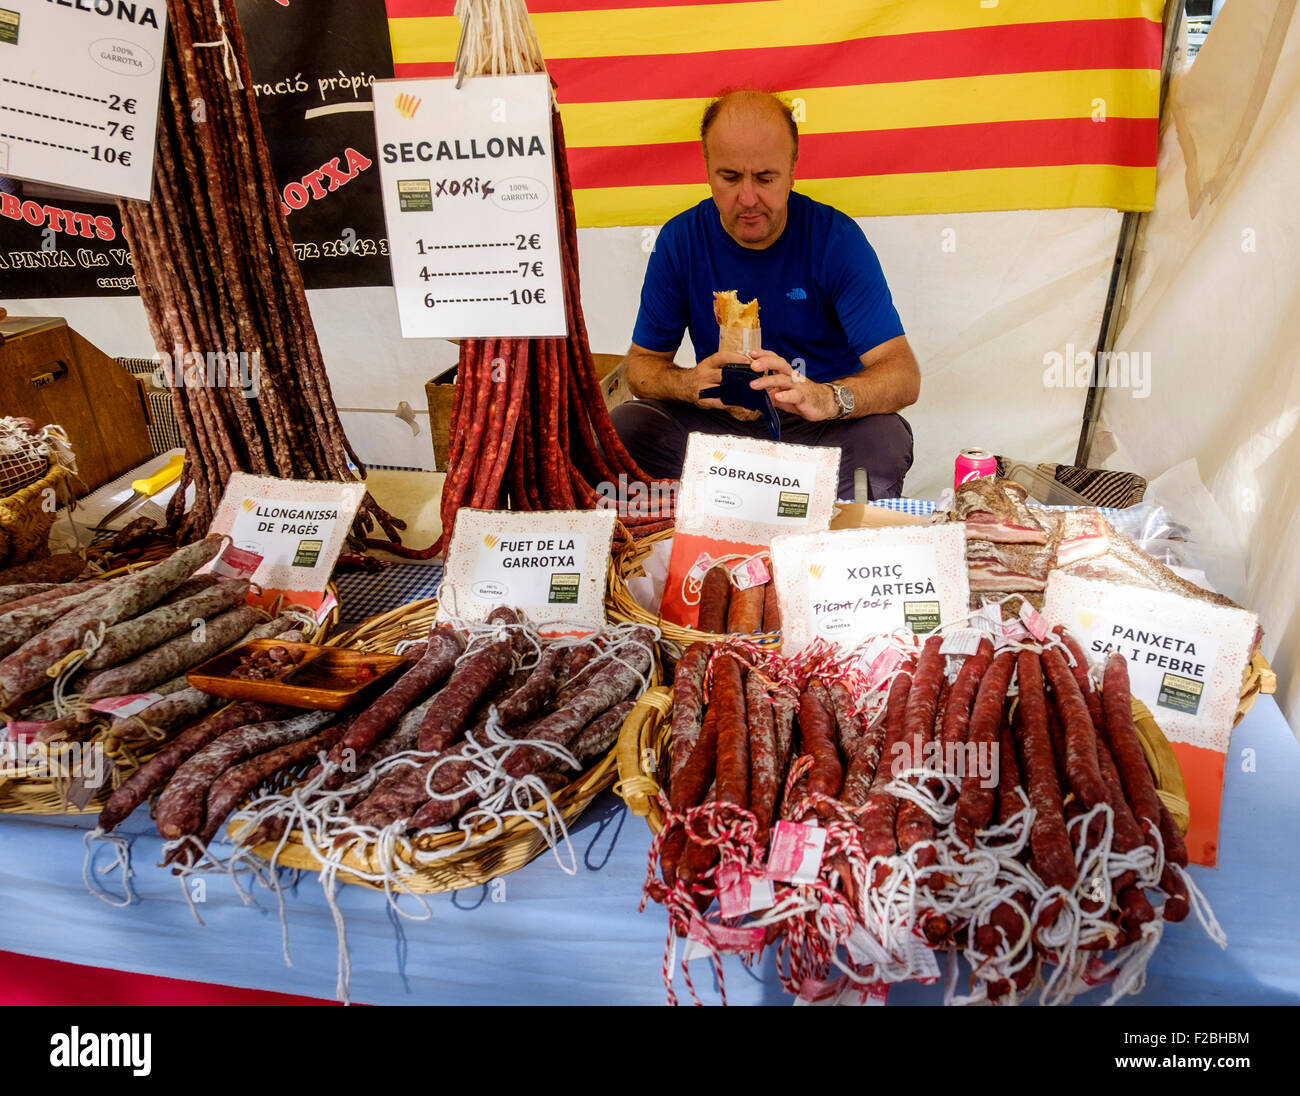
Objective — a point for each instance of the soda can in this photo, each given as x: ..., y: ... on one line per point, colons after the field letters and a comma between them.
x: 972, y: 464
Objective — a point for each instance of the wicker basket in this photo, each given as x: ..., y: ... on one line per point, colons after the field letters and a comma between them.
x: 26, y: 517
x: 628, y: 562
x: 643, y: 752
x: 495, y: 852
x: 42, y: 793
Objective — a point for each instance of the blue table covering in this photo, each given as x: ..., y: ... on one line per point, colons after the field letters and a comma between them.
x: 543, y: 937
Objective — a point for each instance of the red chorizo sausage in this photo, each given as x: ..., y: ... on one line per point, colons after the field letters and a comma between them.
x: 1126, y: 749
x: 688, y: 706
x: 715, y: 593
x: 771, y: 608
x: 1053, y: 855
x: 880, y: 808
x: 745, y: 611
x: 975, y: 803
x: 1080, y: 735
x: 817, y: 726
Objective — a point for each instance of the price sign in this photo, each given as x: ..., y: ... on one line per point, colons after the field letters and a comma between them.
x: 469, y: 190
x: 79, y: 83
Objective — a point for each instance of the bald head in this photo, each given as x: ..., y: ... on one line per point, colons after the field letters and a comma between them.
x: 746, y: 110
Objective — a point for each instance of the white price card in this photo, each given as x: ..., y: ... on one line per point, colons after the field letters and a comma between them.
x: 289, y: 531
x: 79, y: 85
x: 846, y: 585
x: 550, y: 564
x: 468, y: 178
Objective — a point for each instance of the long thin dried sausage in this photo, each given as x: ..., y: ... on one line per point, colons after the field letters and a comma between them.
x: 601, y: 733
x: 126, y: 597
x: 733, y: 732
x: 880, y: 808
x: 444, y: 647
x: 975, y: 803
x: 771, y: 608
x: 606, y: 689
x: 688, y: 706
x: 817, y: 726
x: 956, y: 716
x: 1080, y: 735
x: 483, y: 666
x: 231, y: 787
x: 181, y: 805
x: 164, y: 662
x: 1053, y: 856
x: 849, y: 727
x: 533, y: 695
x: 1121, y: 736
x: 158, y: 769
x: 764, y: 781
x: 1079, y: 668
x: 148, y: 630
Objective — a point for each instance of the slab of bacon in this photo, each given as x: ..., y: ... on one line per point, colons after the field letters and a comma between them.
x: 995, y: 510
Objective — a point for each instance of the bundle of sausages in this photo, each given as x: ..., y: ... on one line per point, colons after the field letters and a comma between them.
x: 414, y: 757
x: 69, y: 644
x: 995, y: 804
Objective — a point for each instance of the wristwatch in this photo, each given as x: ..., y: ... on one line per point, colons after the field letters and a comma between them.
x: 843, y: 399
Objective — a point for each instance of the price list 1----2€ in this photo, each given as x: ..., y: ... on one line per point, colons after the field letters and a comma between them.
x: 469, y: 197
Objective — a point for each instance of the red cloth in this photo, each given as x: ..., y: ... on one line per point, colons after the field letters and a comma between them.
x: 27, y: 980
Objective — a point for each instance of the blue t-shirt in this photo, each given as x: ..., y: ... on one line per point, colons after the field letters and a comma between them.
x: 821, y: 293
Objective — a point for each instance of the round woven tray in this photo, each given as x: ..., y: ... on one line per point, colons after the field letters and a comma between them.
x: 643, y: 753
x: 495, y: 851
x: 628, y: 562
x: 49, y: 794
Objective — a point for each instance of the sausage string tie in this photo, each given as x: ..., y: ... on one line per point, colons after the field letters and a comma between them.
x: 227, y: 50
x: 1201, y: 906
x: 121, y: 847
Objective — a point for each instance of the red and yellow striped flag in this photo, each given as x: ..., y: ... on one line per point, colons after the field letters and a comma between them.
x: 904, y: 106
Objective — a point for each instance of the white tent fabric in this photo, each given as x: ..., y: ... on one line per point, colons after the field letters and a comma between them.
x: 1215, y: 299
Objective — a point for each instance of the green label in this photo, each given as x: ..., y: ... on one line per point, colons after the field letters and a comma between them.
x: 921, y: 616
x: 792, y: 504
x: 9, y: 26
x: 1182, y: 694
x: 308, y: 553
x: 415, y: 195
x: 564, y: 590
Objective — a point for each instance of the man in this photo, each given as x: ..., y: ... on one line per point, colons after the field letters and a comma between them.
x: 834, y: 358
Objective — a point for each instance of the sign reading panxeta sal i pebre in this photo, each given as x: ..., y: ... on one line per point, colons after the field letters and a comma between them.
x: 79, y: 84
x: 469, y: 191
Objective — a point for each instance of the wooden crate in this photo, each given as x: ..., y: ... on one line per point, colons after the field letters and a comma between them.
x: 50, y: 374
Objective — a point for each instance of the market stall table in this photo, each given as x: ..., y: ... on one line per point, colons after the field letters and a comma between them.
x: 539, y: 936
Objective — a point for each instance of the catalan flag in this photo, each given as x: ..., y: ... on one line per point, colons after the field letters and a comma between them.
x: 904, y: 106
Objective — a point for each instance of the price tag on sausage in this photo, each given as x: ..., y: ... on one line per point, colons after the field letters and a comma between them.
x: 1033, y: 621
x: 845, y: 585
x: 123, y: 706
x: 750, y: 572
x: 468, y: 180
x: 705, y: 937
x: 740, y: 892
x: 80, y: 84
x: 795, y: 855
x: 551, y: 564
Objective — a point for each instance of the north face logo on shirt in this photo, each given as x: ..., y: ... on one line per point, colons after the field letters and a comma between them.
x: 796, y: 294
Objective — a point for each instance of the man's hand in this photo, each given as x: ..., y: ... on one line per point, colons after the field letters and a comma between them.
x: 708, y: 374
x: 790, y: 390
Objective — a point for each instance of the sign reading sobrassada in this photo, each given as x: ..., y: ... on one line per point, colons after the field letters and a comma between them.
x: 848, y: 584
x: 736, y: 495
x: 550, y: 564
x: 468, y: 182
x: 80, y: 82
x: 297, y: 527
x: 1186, y: 660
